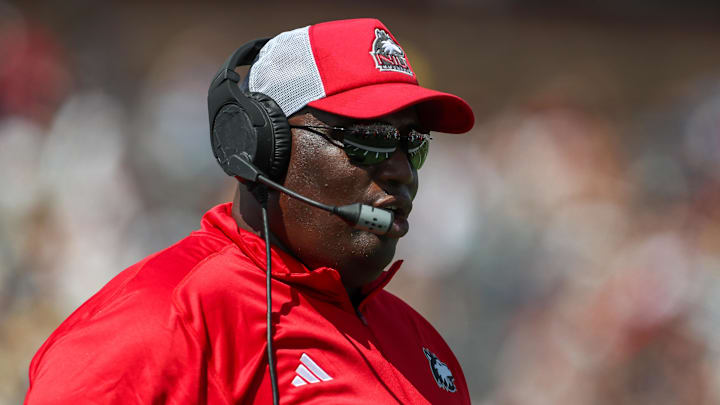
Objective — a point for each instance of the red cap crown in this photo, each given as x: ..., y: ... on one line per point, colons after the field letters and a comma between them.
x: 354, y: 68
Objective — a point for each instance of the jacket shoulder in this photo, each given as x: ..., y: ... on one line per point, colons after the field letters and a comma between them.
x: 131, y: 327
x: 152, y: 281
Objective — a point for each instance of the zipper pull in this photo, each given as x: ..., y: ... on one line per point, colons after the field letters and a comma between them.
x: 362, y: 317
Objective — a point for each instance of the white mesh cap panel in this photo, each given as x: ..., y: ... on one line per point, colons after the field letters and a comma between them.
x: 286, y: 71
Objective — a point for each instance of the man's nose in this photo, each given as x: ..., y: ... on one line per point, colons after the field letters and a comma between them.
x: 397, y: 170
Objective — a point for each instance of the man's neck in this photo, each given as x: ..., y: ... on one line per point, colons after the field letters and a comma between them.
x: 245, y: 212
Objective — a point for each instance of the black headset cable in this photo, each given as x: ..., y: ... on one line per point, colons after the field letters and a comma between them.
x: 268, y: 278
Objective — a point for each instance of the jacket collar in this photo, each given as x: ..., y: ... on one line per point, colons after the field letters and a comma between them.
x: 324, y: 282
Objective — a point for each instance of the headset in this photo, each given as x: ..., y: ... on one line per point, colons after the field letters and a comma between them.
x: 247, y: 123
x: 251, y: 140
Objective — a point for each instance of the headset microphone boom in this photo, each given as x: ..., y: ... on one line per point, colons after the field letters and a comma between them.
x: 359, y: 216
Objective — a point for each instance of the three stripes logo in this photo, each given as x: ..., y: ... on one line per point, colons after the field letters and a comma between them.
x: 308, y: 372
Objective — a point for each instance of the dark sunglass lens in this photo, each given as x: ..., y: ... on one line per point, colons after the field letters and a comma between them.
x: 369, y: 145
x: 366, y: 155
x: 418, y: 148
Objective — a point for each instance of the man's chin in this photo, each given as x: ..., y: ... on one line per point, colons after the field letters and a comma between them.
x: 375, y: 251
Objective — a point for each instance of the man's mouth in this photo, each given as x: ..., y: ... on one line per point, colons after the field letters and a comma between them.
x: 400, y: 207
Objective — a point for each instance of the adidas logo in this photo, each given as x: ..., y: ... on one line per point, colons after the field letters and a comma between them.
x: 309, y: 372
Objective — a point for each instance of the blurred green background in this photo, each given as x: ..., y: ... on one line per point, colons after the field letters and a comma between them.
x: 568, y: 248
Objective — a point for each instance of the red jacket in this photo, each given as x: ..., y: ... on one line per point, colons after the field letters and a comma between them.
x: 187, y: 326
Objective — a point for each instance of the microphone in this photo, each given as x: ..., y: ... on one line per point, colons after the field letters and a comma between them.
x: 359, y: 216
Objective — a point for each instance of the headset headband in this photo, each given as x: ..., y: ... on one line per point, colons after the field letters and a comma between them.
x: 243, y: 56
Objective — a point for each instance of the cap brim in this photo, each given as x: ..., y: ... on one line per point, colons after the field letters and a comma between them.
x: 438, y: 111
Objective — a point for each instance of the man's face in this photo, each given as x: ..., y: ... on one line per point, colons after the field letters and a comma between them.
x: 322, y: 171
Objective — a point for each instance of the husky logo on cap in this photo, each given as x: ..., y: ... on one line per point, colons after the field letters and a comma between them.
x: 388, y: 55
x: 440, y: 371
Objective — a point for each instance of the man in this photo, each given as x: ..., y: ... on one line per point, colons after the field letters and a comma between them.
x: 187, y: 325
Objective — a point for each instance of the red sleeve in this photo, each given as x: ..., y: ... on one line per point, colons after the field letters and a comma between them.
x: 136, y: 349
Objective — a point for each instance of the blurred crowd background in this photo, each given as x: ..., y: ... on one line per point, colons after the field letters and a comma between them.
x: 568, y: 248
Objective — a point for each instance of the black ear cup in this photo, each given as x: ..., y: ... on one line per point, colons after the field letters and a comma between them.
x: 282, y: 137
x: 232, y: 133
x: 256, y: 126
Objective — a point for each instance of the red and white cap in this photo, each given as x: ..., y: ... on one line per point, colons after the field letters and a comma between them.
x: 354, y: 68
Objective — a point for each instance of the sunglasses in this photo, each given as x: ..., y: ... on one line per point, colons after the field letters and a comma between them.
x: 374, y: 144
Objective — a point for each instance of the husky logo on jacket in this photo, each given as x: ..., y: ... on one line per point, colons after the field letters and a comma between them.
x: 440, y: 371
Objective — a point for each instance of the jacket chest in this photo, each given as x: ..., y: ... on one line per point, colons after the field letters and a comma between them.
x: 330, y: 355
